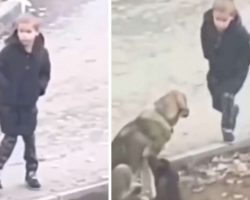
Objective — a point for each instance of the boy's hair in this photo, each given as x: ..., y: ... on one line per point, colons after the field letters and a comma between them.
x: 222, y: 2
x: 28, y: 18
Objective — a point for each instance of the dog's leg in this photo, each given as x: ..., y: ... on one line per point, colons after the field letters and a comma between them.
x: 121, y: 180
x: 147, y: 180
x: 152, y: 182
x: 147, y: 171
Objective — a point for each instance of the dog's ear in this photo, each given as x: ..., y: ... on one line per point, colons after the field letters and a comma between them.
x: 182, y: 104
x: 168, y: 107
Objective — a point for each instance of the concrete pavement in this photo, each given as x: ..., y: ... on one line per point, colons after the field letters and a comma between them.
x: 72, y: 136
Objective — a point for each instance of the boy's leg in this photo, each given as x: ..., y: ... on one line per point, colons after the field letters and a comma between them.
x: 222, y: 102
x: 30, y: 152
x: 6, y: 148
x: 215, y: 91
x: 232, y: 86
x: 31, y: 161
x: 227, y: 101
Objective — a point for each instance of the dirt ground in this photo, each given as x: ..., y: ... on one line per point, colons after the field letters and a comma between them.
x: 155, y: 48
x: 217, y: 192
x: 223, y: 177
x: 221, y: 192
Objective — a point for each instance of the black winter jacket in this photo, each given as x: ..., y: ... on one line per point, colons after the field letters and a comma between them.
x: 23, y: 76
x: 229, y: 53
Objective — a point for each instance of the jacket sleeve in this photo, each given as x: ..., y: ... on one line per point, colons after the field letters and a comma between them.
x: 204, y: 40
x: 243, y: 60
x: 244, y: 51
x: 45, y: 73
x: 3, y: 80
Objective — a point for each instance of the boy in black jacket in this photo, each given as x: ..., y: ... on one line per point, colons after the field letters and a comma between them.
x: 225, y: 44
x: 24, y: 76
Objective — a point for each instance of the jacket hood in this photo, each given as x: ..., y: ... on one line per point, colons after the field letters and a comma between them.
x: 38, y: 44
x: 208, y: 17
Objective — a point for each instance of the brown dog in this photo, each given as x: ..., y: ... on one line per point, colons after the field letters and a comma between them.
x: 147, y: 134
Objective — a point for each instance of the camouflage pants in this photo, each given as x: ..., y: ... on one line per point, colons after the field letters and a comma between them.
x: 9, y: 142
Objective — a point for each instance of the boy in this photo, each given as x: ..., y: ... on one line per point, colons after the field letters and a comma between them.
x: 24, y: 76
x: 225, y: 44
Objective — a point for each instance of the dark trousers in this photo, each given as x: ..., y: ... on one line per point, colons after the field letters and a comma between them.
x: 7, y: 145
x: 219, y: 86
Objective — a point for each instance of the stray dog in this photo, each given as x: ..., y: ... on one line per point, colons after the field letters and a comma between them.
x: 122, y: 185
x: 146, y: 136
x: 166, y: 179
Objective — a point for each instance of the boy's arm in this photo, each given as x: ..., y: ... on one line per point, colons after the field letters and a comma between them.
x: 243, y: 61
x: 204, y: 42
x: 3, y: 79
x: 45, y: 73
x: 245, y: 47
x: 243, y: 51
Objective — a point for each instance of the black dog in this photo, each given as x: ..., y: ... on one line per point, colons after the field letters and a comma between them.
x: 166, y: 180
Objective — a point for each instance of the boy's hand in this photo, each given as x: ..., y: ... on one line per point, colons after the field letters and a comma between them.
x: 42, y: 92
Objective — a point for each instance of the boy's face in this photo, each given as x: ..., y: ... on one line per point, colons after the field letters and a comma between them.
x: 26, y: 33
x: 223, y: 14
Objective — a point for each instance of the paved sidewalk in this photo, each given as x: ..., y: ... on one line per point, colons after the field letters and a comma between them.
x: 72, y: 135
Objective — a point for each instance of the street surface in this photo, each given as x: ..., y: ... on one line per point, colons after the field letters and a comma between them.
x: 72, y: 134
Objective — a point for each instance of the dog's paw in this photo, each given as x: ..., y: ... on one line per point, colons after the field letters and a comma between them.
x: 136, y: 188
x: 143, y: 197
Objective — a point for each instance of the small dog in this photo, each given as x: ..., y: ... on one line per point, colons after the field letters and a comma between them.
x: 166, y: 180
x: 146, y: 136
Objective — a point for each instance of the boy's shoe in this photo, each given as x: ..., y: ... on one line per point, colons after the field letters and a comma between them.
x: 32, y: 180
x: 228, y: 135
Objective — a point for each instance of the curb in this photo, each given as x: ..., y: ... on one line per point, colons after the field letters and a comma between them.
x: 196, y: 156
x: 97, y: 191
x: 9, y: 11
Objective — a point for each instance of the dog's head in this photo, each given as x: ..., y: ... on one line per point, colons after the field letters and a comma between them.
x: 166, y: 180
x: 172, y: 106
